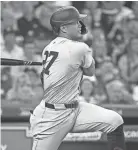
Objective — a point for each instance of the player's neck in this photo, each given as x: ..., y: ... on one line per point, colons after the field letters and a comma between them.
x: 64, y: 36
x: 68, y: 37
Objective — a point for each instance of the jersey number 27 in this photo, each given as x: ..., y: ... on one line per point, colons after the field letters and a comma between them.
x: 50, y: 57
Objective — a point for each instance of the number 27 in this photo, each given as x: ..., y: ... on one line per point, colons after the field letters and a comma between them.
x: 54, y: 57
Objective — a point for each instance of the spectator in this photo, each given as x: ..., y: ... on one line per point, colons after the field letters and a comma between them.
x: 117, y: 9
x: 30, y: 54
x: 99, y: 46
x: 30, y: 51
x: 123, y: 11
x: 108, y: 15
x: 43, y: 14
x: 26, y: 88
x: 87, y: 38
x: 45, y: 32
x: 35, y: 83
x: 15, y: 8
x: 33, y: 77
x: 87, y: 92
x: 135, y: 10
x: 95, y: 12
x: 28, y: 24
x: 100, y: 92
x: 129, y: 26
x: 8, y: 21
x: 128, y: 63
x: 105, y: 73
x: 118, y: 94
x: 21, y: 91
x: 113, y: 26
x: 132, y: 27
x: 11, y: 50
x: 6, y: 81
x: 119, y: 46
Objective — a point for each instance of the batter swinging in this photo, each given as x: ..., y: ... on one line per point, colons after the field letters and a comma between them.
x: 65, y: 61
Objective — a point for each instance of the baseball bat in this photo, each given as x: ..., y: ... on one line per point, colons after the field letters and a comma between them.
x: 16, y: 62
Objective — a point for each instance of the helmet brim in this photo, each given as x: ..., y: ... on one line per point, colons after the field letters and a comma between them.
x: 82, y: 16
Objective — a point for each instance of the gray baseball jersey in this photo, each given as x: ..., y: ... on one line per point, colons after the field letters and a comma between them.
x: 62, y: 59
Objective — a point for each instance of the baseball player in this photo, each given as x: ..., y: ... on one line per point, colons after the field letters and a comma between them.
x: 65, y: 61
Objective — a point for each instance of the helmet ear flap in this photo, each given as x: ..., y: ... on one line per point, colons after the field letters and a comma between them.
x: 83, y: 28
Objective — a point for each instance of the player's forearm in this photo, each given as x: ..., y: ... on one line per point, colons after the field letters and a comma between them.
x: 89, y: 71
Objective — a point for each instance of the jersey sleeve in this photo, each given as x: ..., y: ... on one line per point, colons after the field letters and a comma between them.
x: 87, y: 58
x: 81, y: 55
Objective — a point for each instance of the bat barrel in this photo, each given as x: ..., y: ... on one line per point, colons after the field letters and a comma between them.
x: 15, y: 62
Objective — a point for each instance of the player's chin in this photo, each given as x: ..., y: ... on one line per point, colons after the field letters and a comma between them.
x: 79, y: 35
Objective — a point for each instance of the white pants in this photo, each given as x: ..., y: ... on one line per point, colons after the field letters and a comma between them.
x: 49, y: 126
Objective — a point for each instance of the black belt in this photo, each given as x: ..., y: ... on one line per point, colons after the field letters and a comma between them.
x: 62, y: 106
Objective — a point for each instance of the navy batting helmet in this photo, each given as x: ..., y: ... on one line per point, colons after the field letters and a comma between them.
x: 67, y: 15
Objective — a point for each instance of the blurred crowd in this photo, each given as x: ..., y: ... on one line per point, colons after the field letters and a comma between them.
x: 112, y: 34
